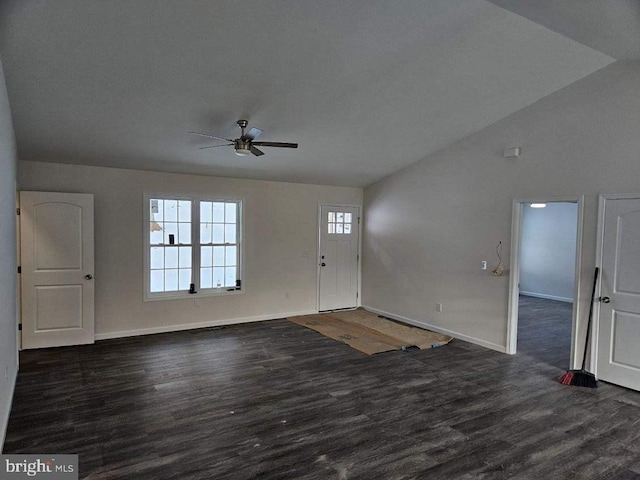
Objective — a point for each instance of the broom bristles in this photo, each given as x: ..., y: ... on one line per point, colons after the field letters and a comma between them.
x: 579, y: 378
x: 584, y: 379
x: 566, y: 378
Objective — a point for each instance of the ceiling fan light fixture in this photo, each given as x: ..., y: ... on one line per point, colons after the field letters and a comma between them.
x: 243, y: 152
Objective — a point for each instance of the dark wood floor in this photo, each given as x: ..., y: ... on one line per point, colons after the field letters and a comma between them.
x: 544, y: 330
x: 275, y: 400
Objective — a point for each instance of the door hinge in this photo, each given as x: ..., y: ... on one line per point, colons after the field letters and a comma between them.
x: 357, y: 258
x: 357, y: 294
x: 20, y: 327
x: 17, y: 211
x: 358, y: 220
x: 19, y: 269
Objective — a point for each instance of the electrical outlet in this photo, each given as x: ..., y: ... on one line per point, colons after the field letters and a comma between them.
x: 438, y: 307
x: 196, y: 302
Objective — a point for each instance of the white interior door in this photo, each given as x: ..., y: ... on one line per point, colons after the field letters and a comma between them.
x: 56, y: 232
x: 338, y: 257
x: 618, y: 358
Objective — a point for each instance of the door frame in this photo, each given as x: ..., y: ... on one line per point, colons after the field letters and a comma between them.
x: 18, y: 280
x: 318, y: 262
x: 595, y: 328
x: 514, y: 277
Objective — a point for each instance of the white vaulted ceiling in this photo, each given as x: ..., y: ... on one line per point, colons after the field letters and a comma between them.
x: 366, y: 87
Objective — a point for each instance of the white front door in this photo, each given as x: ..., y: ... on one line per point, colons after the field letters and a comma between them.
x: 56, y: 232
x: 338, y: 257
x: 618, y: 358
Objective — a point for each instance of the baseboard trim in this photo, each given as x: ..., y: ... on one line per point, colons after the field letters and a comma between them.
x: 418, y: 323
x: 5, y: 417
x: 547, y: 297
x: 193, y: 326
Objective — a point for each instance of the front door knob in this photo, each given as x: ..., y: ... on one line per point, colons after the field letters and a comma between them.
x: 88, y: 276
x: 605, y: 300
x: 323, y: 264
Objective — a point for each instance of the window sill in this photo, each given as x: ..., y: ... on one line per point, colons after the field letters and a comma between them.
x: 150, y: 297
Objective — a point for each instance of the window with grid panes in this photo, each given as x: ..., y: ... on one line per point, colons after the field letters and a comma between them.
x: 339, y: 223
x: 193, y: 247
x: 218, y: 244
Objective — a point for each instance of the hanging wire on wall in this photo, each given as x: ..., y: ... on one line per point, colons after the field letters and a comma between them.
x: 499, y: 267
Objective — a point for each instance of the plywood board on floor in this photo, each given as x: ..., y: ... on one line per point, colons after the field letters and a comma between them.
x: 368, y: 333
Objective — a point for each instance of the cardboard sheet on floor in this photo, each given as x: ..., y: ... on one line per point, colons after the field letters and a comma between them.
x: 356, y: 336
x: 410, y: 335
x: 368, y: 333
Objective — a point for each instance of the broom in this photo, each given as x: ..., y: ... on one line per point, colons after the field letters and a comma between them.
x: 582, y: 378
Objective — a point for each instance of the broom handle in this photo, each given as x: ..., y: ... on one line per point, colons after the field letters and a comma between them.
x: 593, y: 294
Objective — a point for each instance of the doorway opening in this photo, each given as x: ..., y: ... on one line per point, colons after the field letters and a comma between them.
x: 544, y: 283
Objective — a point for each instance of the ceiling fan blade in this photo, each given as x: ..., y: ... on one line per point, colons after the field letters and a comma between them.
x: 216, y: 146
x: 276, y: 144
x: 210, y: 136
x: 252, y: 133
x: 256, y: 152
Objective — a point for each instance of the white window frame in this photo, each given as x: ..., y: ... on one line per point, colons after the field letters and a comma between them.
x: 195, y: 245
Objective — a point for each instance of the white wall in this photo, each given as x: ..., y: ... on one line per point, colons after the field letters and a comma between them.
x: 428, y: 226
x: 548, y: 251
x: 280, y: 242
x: 8, y: 346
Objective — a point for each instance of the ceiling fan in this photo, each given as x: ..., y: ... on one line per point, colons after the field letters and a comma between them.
x: 245, y: 145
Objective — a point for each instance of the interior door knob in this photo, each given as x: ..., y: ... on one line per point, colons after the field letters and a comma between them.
x: 323, y: 264
x: 605, y: 299
x: 88, y: 276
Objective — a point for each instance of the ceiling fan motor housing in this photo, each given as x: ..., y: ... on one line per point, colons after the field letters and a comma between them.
x: 242, y: 147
